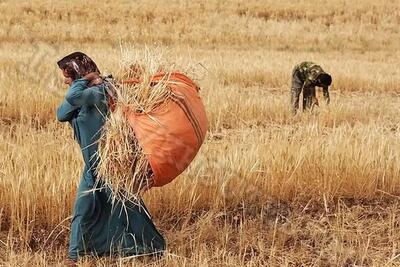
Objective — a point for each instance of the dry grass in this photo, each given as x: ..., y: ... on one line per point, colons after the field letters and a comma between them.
x: 266, y: 188
x: 123, y: 165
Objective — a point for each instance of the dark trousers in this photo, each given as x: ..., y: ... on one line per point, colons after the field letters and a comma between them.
x: 308, y: 93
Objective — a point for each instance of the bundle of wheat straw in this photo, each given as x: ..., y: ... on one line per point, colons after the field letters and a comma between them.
x: 123, y: 167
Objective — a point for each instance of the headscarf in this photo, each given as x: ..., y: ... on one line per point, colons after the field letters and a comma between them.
x: 325, y: 79
x: 77, y: 65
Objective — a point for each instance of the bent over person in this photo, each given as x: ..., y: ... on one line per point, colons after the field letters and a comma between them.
x: 305, y: 77
x: 99, y: 226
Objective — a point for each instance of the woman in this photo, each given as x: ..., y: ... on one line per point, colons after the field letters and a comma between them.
x: 305, y: 77
x: 99, y: 227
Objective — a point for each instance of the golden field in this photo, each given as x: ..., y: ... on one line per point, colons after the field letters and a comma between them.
x: 267, y: 188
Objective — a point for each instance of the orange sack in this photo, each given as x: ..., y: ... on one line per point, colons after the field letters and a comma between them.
x: 171, y: 134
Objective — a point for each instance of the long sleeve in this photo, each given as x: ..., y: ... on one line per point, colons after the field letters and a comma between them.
x: 326, y: 94
x: 80, y: 95
x: 66, y: 111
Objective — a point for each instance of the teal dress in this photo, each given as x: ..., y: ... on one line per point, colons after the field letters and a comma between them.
x: 100, y: 227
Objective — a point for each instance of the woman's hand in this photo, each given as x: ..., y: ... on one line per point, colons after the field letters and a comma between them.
x: 93, y: 78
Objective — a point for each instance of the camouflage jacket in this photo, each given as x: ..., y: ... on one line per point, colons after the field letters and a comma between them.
x: 308, y: 72
x: 304, y: 79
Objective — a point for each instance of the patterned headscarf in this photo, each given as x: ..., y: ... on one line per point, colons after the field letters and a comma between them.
x: 77, y: 65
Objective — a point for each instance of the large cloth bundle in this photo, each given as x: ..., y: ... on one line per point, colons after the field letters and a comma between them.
x: 172, y: 133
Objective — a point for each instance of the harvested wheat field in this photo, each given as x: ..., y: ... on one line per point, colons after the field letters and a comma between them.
x: 267, y: 188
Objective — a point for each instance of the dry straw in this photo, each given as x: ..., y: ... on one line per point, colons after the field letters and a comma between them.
x: 123, y: 166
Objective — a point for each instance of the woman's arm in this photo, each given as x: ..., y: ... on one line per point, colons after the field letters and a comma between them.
x: 326, y: 94
x: 80, y: 95
x: 65, y: 112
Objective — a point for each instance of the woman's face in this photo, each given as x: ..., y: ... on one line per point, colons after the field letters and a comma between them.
x: 67, y: 79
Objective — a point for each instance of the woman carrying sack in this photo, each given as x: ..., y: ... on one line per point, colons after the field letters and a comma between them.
x: 99, y: 226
